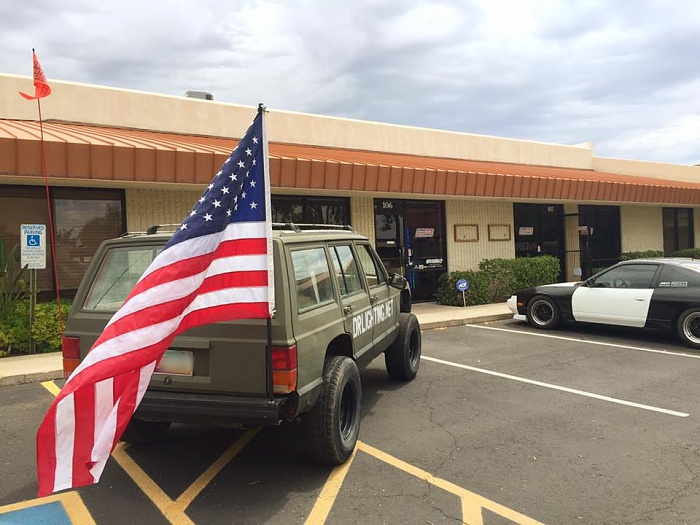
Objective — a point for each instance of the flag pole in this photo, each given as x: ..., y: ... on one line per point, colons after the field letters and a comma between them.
x: 268, y: 219
x: 52, y: 238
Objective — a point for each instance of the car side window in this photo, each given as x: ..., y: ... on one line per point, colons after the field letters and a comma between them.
x: 627, y: 276
x: 374, y: 272
x: 679, y: 276
x: 312, y: 277
x: 347, y: 273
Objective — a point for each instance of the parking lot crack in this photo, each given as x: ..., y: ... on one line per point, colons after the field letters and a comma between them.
x: 432, y: 418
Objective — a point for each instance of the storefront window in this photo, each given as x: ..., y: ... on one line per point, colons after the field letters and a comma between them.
x: 83, y: 218
x: 311, y: 210
x: 678, y: 230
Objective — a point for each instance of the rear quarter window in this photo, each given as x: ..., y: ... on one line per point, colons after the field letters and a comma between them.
x: 680, y: 276
x: 312, y: 278
x: 119, y: 271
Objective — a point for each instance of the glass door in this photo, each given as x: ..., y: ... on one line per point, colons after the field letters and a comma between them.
x: 410, y: 242
x: 389, y: 234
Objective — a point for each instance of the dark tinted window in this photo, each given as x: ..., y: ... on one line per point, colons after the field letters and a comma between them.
x: 627, y: 276
x: 680, y: 276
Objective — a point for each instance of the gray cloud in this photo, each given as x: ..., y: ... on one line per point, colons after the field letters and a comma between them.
x: 620, y: 74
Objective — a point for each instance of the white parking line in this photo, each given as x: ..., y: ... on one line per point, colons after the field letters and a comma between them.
x: 597, y: 343
x: 557, y: 387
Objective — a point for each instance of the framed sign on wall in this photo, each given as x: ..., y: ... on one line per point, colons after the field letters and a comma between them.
x: 499, y: 232
x: 466, y: 232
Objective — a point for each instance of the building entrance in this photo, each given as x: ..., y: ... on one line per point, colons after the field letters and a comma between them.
x: 539, y: 230
x: 410, y: 241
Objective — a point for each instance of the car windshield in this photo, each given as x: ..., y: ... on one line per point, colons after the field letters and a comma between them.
x: 118, y: 274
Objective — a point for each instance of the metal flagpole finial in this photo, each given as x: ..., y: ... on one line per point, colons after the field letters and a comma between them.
x: 261, y: 108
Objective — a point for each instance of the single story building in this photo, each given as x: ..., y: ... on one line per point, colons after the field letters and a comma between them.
x: 432, y: 201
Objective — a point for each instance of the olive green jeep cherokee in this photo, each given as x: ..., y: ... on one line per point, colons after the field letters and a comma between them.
x: 336, y: 310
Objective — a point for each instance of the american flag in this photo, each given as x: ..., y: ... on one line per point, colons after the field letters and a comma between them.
x: 216, y: 267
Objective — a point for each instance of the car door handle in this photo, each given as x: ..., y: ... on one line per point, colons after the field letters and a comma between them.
x: 642, y: 299
x: 347, y: 309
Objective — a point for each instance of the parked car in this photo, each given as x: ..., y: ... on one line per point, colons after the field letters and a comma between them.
x: 337, y: 309
x: 659, y: 293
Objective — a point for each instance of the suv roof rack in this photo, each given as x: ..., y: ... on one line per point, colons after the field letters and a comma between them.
x: 291, y: 226
x: 156, y: 228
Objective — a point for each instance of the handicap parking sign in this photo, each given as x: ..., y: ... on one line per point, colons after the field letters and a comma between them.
x: 33, y: 246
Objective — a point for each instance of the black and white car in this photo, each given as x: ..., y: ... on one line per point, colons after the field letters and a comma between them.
x: 646, y: 293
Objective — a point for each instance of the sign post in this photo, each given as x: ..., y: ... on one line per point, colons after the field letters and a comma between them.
x: 33, y: 256
x: 463, y: 286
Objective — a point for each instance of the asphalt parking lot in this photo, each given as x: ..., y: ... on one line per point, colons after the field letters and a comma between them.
x: 502, y: 425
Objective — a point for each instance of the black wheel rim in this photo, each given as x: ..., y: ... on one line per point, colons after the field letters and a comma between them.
x: 542, y: 312
x: 691, y: 327
x: 413, y: 349
x: 348, y: 413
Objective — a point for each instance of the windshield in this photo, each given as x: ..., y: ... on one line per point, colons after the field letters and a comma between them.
x: 118, y: 274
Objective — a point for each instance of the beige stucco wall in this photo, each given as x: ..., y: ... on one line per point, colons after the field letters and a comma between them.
x: 468, y: 255
x: 135, y: 109
x: 145, y: 207
x: 657, y: 170
x: 362, y: 215
x: 641, y: 228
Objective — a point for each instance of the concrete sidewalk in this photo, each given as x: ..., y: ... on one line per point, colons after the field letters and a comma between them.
x: 45, y: 367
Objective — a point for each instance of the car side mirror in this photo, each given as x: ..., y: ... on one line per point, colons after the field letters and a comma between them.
x: 397, y: 281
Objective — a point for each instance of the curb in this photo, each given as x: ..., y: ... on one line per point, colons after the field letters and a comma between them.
x: 433, y: 325
x: 35, y: 377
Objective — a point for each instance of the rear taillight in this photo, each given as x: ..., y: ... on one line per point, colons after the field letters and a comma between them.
x: 284, y: 369
x: 71, y: 355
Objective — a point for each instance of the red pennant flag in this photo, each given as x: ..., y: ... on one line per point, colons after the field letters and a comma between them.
x: 41, y: 87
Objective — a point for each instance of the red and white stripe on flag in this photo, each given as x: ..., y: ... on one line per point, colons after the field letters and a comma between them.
x: 205, y: 278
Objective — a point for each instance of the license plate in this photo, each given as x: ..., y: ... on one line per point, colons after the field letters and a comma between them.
x: 176, y: 362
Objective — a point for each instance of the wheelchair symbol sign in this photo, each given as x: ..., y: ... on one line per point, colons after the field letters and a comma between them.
x: 33, y: 252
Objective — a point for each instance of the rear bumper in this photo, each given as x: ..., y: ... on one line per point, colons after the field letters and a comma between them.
x: 180, y: 407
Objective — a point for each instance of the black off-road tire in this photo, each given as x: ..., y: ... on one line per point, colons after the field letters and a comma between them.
x: 332, y: 426
x: 402, y: 358
x: 139, y: 431
x: 543, y: 313
x: 688, y: 327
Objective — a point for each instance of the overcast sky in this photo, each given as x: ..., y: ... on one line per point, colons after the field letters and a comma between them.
x: 623, y: 74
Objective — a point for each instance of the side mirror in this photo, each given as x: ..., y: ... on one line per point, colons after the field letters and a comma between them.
x: 397, y: 281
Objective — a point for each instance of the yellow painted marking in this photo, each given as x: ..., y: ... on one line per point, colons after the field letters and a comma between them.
x: 205, y: 478
x: 72, y: 503
x: 472, y: 504
x: 150, y: 488
x: 174, y: 511
x: 330, y: 490
x: 51, y: 387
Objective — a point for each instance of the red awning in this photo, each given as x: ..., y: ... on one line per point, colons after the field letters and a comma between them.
x: 82, y: 152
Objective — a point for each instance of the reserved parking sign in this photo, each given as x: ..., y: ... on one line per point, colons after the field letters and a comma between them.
x: 33, y: 246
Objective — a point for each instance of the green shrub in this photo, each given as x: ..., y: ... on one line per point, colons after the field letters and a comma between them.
x: 497, y: 279
x: 647, y: 254
x: 14, y: 328
x: 688, y: 252
x: 15, y: 333
x: 479, y: 288
x: 46, y: 329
